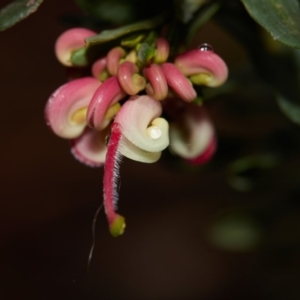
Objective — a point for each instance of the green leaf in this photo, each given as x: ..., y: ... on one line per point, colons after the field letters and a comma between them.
x: 17, y: 11
x: 236, y: 231
x: 132, y: 40
x: 289, y: 108
x: 112, y: 11
x: 145, y: 53
x: 146, y: 49
x: 241, y: 172
x: 279, y: 17
x: 112, y: 34
x: 187, y: 8
x: 200, y: 19
x: 105, y: 40
x: 120, y: 12
x: 277, y: 67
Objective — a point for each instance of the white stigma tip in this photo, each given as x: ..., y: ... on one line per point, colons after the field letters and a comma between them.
x: 154, y: 132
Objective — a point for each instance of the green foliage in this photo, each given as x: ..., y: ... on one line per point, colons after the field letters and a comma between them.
x: 108, y: 38
x: 201, y: 18
x: 111, y: 11
x: 185, y: 9
x: 240, y: 171
x: 17, y: 11
x: 289, y: 108
x: 234, y: 231
x: 123, y: 11
x: 274, y: 62
x: 279, y: 17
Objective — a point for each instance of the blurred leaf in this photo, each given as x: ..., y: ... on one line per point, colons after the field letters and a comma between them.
x: 146, y: 50
x: 145, y: 53
x: 289, y: 108
x: 123, y: 11
x: 204, y: 15
x: 132, y: 40
x: 112, y: 11
x: 279, y: 17
x: 17, y: 11
x: 233, y: 231
x: 276, y: 65
x: 103, y: 41
x: 112, y: 34
x: 186, y: 8
x: 243, y: 173
x: 80, y: 58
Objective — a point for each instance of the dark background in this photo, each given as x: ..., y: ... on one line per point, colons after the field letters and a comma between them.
x: 48, y: 199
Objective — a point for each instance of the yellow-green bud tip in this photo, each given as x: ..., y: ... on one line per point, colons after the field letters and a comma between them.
x: 117, y: 227
x: 201, y: 79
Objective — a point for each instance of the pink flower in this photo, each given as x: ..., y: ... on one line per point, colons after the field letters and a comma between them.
x: 70, y: 41
x: 127, y: 108
x: 192, y: 135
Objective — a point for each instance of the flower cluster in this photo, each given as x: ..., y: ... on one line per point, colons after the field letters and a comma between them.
x: 133, y: 109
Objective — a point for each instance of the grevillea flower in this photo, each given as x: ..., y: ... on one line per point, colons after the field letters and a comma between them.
x: 134, y: 109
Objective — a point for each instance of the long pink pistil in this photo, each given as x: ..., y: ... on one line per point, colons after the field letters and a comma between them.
x: 111, y: 173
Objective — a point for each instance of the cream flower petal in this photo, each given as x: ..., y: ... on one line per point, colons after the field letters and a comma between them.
x: 141, y: 125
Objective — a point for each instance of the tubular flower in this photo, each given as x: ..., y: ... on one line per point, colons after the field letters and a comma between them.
x: 192, y: 134
x: 70, y: 41
x: 134, y: 109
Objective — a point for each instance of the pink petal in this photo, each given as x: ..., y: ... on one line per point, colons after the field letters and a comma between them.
x: 191, y: 132
x: 98, y: 67
x: 162, y: 50
x: 109, y: 93
x: 129, y: 79
x: 90, y: 147
x: 205, y: 66
x: 70, y: 41
x: 113, y: 59
x: 65, y: 102
x: 179, y: 83
x: 206, y: 155
x: 157, y: 86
